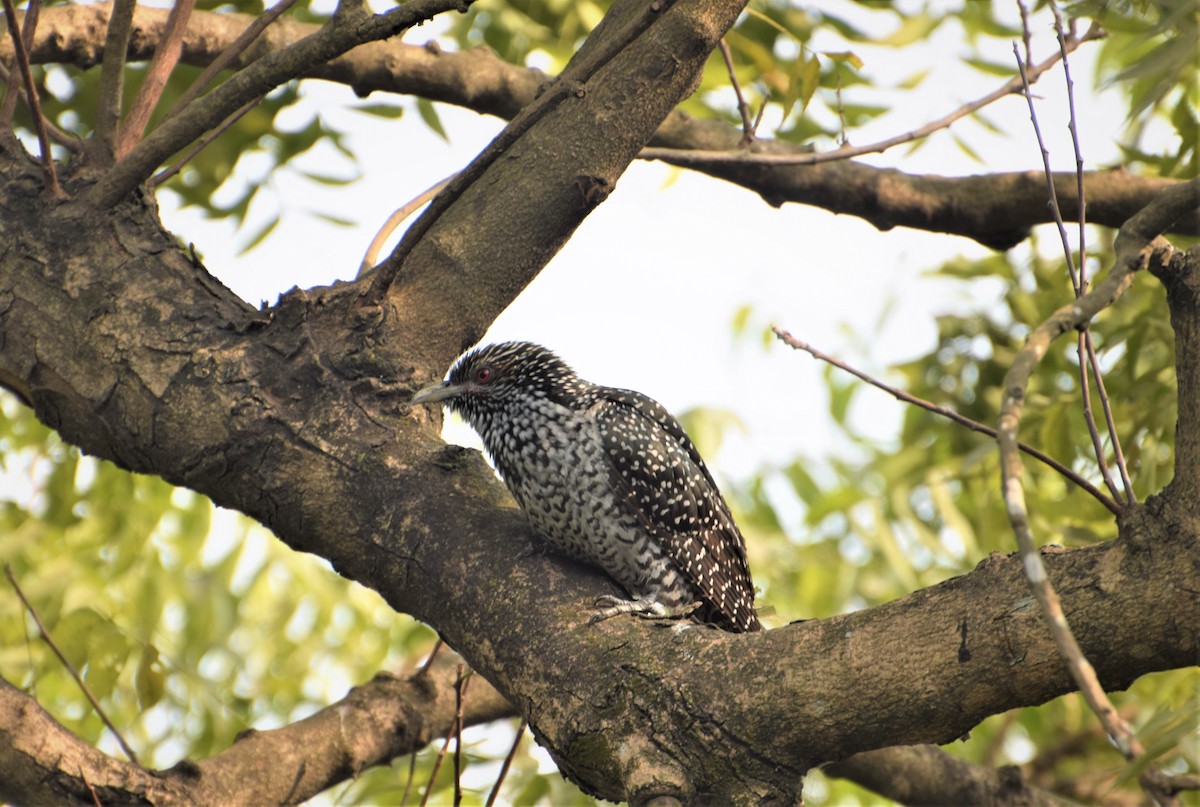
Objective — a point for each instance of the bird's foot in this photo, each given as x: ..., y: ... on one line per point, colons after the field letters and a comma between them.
x: 611, y: 606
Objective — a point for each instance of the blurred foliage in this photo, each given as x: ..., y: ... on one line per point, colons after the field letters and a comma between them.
x: 191, y: 624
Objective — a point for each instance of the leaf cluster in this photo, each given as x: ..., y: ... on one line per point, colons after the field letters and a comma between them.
x: 906, y: 513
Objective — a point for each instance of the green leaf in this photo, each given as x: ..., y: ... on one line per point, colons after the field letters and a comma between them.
x: 844, y: 57
x: 913, y: 29
x: 390, y: 111
x: 335, y: 220
x: 149, y: 680
x: 261, y: 235
x: 808, y: 81
x: 430, y: 116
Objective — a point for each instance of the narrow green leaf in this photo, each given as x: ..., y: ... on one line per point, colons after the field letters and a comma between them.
x: 259, y: 236
x: 390, y: 111
x: 430, y: 116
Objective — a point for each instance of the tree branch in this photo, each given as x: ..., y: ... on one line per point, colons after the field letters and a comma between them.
x: 924, y: 775
x: 383, y: 719
x: 166, y: 56
x: 996, y: 209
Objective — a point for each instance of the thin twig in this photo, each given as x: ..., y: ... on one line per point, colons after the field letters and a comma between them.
x: 112, y: 80
x: 748, y: 127
x: 508, y: 760
x: 412, y: 770
x: 12, y: 578
x: 394, y: 221
x: 1093, y: 361
x: 1076, y: 283
x: 454, y: 727
x: 166, y: 56
x: 13, y: 80
x: 1026, y: 31
x: 1015, y: 383
x: 460, y: 691
x: 438, y: 645
x: 688, y: 157
x: 31, y: 97
x: 946, y: 412
x: 843, y: 138
x: 91, y: 789
x: 201, y: 144
x: 236, y: 48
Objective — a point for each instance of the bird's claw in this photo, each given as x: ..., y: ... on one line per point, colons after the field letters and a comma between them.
x: 611, y: 606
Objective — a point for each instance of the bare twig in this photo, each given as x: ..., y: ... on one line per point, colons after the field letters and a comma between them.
x: 455, y: 726
x: 166, y: 56
x: 412, y: 770
x: 748, y: 125
x: 1016, y: 382
x: 1084, y: 344
x: 958, y: 418
x: 688, y: 157
x: 460, y: 688
x: 112, y: 80
x: 1093, y: 361
x: 395, y: 220
x: 843, y: 138
x: 201, y: 144
x: 12, y: 578
x: 508, y: 760
x: 13, y: 80
x: 35, y: 108
x: 1076, y: 281
x: 1026, y: 31
x: 433, y: 654
x: 236, y: 48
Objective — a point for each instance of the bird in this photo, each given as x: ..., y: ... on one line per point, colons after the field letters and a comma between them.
x: 609, y: 477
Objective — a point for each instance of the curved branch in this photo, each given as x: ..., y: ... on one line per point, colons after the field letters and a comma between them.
x: 385, y: 718
x: 995, y: 209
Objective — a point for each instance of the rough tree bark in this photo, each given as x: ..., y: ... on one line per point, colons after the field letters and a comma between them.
x: 296, y: 415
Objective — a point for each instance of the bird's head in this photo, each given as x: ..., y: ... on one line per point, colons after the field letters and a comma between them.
x: 502, y: 376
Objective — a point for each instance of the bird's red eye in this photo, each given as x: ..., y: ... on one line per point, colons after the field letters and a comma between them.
x: 483, y: 375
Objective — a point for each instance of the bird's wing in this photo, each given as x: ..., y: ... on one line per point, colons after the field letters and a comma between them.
x: 670, y: 489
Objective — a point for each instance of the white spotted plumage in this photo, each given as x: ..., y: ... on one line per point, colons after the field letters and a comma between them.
x: 608, y: 476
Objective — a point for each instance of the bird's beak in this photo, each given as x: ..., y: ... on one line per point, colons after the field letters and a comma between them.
x: 440, y: 391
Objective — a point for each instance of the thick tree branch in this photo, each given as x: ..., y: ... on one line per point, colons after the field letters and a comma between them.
x: 43, y: 762
x: 994, y: 209
x: 140, y: 357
